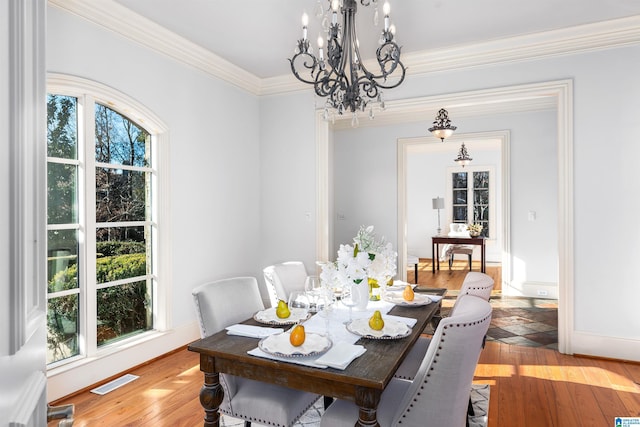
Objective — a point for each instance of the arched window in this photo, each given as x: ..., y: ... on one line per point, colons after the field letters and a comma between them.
x: 104, y: 220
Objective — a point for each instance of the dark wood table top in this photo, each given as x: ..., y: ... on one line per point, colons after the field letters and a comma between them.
x: 362, y: 381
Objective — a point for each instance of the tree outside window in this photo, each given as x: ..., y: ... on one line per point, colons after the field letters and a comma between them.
x: 114, y: 168
x: 470, y: 196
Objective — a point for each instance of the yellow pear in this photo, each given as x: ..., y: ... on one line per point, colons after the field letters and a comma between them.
x: 375, y: 322
x: 282, y: 311
x: 297, y: 336
x: 408, y: 293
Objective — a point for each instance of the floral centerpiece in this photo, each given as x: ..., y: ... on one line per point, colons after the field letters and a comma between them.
x: 474, y: 229
x: 369, y: 258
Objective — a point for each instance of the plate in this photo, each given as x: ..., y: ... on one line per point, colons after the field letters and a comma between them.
x: 397, y: 299
x: 279, y: 345
x: 269, y: 317
x: 392, y: 330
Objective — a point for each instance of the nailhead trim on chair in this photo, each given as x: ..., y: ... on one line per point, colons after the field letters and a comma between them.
x: 257, y: 420
x: 432, y: 367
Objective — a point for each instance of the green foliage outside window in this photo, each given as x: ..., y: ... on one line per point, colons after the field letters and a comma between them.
x: 122, y: 309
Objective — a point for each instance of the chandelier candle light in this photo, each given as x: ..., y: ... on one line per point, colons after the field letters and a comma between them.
x: 341, y: 77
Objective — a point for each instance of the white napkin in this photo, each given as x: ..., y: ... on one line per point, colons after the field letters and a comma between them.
x: 341, y: 355
x: 410, y: 322
x: 434, y: 298
x: 252, y: 331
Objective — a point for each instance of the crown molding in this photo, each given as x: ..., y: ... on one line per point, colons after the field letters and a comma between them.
x: 117, y: 18
x: 566, y: 41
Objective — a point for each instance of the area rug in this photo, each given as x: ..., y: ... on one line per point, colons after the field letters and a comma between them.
x: 479, y: 402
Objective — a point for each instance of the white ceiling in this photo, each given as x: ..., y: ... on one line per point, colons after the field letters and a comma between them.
x: 260, y: 35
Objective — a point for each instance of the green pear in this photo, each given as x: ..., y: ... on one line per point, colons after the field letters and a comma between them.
x: 282, y: 311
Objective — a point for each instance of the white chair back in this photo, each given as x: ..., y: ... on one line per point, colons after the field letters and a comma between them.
x: 288, y: 276
x: 439, y: 394
x: 225, y: 302
x: 477, y: 284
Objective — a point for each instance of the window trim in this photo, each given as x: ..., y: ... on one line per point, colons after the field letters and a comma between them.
x: 448, y: 202
x: 94, y: 92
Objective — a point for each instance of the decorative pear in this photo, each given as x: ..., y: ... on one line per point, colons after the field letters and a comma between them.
x: 282, y: 311
x: 376, y: 322
x: 297, y: 336
x: 408, y: 293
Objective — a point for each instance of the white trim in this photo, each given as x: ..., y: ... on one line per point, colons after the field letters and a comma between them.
x: 505, y: 143
x: 601, y: 35
x: 560, y: 93
x: 96, y: 92
x: 128, y: 24
x: 26, y: 412
x: 611, y: 347
x: 27, y: 171
x: 323, y: 189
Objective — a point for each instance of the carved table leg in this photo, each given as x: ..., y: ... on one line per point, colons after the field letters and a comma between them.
x: 367, y: 401
x: 211, y: 393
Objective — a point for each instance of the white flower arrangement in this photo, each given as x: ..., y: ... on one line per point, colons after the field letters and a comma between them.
x: 367, y: 257
x: 474, y: 228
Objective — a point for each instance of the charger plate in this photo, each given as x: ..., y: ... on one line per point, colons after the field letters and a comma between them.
x: 279, y: 345
x: 269, y: 317
x: 392, y: 330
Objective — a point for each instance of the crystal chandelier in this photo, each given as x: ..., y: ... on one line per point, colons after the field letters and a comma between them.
x: 341, y: 77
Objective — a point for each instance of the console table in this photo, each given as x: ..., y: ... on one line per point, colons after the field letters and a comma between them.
x: 437, y: 240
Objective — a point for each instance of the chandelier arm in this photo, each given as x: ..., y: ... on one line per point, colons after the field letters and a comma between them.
x: 309, y: 62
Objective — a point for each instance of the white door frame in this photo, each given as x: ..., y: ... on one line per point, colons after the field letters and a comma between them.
x: 558, y: 94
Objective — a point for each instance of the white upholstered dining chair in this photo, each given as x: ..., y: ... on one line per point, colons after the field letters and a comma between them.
x: 284, y: 277
x: 474, y: 283
x: 439, y: 394
x: 223, y: 303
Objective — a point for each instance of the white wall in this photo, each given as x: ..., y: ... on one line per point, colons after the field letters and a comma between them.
x: 606, y: 96
x: 214, y: 167
x: 288, y: 180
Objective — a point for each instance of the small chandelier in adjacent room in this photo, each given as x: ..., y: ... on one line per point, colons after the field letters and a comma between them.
x: 341, y: 76
x: 463, y: 156
x: 442, y: 127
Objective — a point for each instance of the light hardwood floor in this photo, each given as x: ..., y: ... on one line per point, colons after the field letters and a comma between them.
x: 530, y: 387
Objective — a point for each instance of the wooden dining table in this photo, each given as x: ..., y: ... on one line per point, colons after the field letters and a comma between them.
x: 362, y: 382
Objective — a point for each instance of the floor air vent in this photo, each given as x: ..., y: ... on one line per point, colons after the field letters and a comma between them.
x: 112, y: 385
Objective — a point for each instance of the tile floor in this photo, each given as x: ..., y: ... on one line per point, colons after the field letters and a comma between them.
x: 530, y: 322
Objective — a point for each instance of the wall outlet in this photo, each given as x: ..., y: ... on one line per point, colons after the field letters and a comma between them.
x: 542, y: 293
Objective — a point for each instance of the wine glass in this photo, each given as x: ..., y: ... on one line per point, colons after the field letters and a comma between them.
x: 299, y: 300
x: 325, y: 302
x: 350, y: 298
x: 313, y: 287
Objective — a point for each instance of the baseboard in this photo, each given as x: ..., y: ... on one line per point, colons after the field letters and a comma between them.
x: 620, y: 349
x: 531, y: 289
x: 84, y: 373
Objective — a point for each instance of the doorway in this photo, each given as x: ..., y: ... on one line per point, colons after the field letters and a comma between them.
x: 498, y: 100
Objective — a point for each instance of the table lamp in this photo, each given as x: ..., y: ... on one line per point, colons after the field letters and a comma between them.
x: 438, y: 203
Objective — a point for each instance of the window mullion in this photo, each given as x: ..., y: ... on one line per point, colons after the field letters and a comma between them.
x: 89, y: 194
